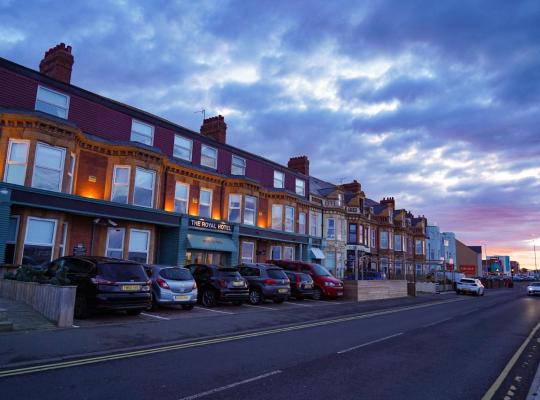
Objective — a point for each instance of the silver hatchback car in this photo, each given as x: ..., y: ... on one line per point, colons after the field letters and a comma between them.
x: 172, y: 286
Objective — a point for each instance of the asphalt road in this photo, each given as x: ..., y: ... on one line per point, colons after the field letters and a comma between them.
x: 451, y: 350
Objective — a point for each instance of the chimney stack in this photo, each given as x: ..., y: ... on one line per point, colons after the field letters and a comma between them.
x: 215, y: 128
x: 389, y: 201
x: 299, y: 164
x: 353, y: 186
x: 58, y: 63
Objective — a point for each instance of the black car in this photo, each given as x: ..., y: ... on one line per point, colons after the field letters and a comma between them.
x: 217, y: 283
x: 302, y: 285
x: 266, y: 281
x: 105, y: 284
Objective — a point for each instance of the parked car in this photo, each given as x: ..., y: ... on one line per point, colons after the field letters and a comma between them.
x: 470, y: 285
x: 302, y: 285
x: 326, y: 285
x: 105, y: 284
x: 172, y: 286
x: 266, y: 281
x: 219, y: 284
x: 533, y: 288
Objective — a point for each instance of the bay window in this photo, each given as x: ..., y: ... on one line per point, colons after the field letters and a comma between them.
x: 71, y: 172
x: 143, y: 194
x: 16, y: 161
x: 250, y: 210
x: 330, y: 228
x: 353, y: 237
x: 48, y: 167
x: 277, y: 217
x: 289, y: 219
x: 181, y: 195
x: 383, y: 240
x: 120, y: 184
x: 302, y: 223
x: 205, y: 203
x: 235, y: 205
x: 398, y: 246
x: 419, y: 246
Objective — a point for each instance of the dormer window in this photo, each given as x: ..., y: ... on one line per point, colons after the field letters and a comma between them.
x: 52, y: 102
x: 300, y: 187
x: 209, y: 156
x: 238, y: 165
x: 279, y: 179
x: 142, y: 133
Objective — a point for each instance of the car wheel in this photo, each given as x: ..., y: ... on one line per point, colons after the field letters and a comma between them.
x: 299, y: 297
x: 155, y: 305
x: 279, y: 301
x: 187, y: 307
x: 209, y: 298
x: 317, y: 294
x: 81, y: 306
x: 133, y: 312
x: 255, y: 297
x: 237, y: 303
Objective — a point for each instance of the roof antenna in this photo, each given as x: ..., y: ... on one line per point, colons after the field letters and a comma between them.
x: 340, y: 180
x: 203, y: 112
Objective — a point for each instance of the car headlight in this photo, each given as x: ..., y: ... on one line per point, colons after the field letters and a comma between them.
x: 145, y: 288
x: 329, y: 284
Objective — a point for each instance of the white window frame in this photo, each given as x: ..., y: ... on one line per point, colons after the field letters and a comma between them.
x: 151, y: 137
x: 252, y: 252
x: 239, y: 208
x: 113, y: 185
x: 203, y: 147
x: 153, y: 186
x: 8, y: 156
x: 62, y: 167
x: 210, y: 203
x: 121, y: 249
x: 254, y: 210
x: 289, y: 220
x: 71, y: 171
x: 381, y: 240
x: 40, y: 244
x: 63, y: 242
x: 423, y: 250
x: 54, y: 105
x: 276, y: 207
x: 300, y: 189
x: 272, y: 252
x: 400, y: 247
x: 328, y: 236
x: 285, y: 250
x: 302, y: 224
x: 176, y: 198
x: 149, y: 233
x: 242, y: 167
x: 279, y: 177
x: 18, y: 218
x: 190, y: 148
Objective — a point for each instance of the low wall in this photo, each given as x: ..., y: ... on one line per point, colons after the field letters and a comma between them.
x: 56, y: 303
x: 426, y: 287
x: 5, y: 268
x: 374, y: 290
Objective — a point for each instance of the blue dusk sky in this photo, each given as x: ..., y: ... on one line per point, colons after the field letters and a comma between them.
x: 436, y: 103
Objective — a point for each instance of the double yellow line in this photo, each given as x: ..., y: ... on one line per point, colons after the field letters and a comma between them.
x: 200, y: 343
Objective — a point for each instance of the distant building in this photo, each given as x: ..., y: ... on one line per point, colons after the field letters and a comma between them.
x: 441, y: 249
x: 498, y: 265
x: 470, y: 259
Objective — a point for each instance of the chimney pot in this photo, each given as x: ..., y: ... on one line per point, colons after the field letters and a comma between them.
x: 215, y: 128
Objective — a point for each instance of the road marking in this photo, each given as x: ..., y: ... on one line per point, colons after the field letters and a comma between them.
x: 263, y: 307
x: 217, y: 311
x: 155, y: 316
x: 222, y: 388
x: 298, y: 304
x: 200, y: 343
x: 368, y: 343
x: 436, y: 322
x: 498, y: 382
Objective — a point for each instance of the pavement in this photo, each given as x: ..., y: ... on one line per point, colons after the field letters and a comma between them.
x: 24, y: 317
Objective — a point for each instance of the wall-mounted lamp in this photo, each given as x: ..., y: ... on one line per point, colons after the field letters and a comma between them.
x: 92, y: 178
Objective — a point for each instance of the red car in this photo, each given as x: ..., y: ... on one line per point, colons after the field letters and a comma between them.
x: 325, y: 283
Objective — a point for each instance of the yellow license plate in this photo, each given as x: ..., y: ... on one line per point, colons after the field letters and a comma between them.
x: 238, y: 283
x: 181, y: 298
x: 131, y: 288
x: 308, y: 286
x: 282, y: 290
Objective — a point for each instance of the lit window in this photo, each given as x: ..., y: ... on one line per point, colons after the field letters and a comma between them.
x: 120, y: 186
x: 181, y: 194
x: 139, y: 242
x: 288, y: 253
x: 275, y: 252
x: 142, y: 133
x: 289, y: 219
x: 16, y: 161
x: 277, y: 217
x: 330, y: 228
x: 48, y: 167
x: 39, y: 241
x: 143, y: 195
x: 115, y: 243
x: 238, y: 166
x: 182, y: 147
x: 250, y: 209
x: 300, y: 187
x: 208, y: 156
x: 235, y: 204
x: 279, y: 179
x: 52, y: 102
x: 302, y: 223
x: 247, y: 252
x: 205, y: 203
x: 71, y: 171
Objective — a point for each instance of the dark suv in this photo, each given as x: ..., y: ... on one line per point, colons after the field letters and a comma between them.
x: 105, y: 284
x: 266, y: 281
x: 219, y: 284
x: 302, y: 285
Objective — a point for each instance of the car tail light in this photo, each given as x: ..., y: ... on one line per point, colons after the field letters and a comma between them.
x: 222, y: 283
x: 298, y: 284
x: 162, y: 283
x: 100, y: 281
x: 269, y: 282
x: 194, y: 285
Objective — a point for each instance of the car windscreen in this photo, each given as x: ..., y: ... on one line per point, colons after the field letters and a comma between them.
x: 227, y: 272
x: 535, y: 284
x: 320, y: 270
x: 120, y: 272
x: 468, y: 281
x: 175, y: 274
x: 276, y: 274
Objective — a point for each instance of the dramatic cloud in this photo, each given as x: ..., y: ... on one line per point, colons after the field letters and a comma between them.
x: 434, y: 103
